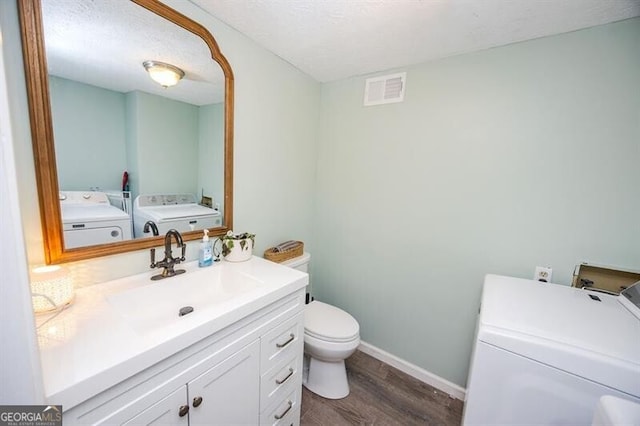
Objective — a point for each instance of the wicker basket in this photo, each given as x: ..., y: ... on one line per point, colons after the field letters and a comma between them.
x: 281, y: 256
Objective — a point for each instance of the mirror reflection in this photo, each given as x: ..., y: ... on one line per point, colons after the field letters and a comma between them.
x: 132, y: 150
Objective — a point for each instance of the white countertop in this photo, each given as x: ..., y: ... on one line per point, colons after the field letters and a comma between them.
x: 104, y: 338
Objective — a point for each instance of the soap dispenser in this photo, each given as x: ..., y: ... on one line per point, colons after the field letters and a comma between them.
x: 205, y: 254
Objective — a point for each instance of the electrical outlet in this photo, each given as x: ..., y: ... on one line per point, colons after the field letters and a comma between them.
x: 543, y: 274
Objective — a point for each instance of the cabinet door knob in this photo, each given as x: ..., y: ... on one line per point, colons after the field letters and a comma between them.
x: 184, y: 409
x: 197, y: 401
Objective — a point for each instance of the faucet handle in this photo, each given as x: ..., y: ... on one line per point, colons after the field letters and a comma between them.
x: 153, y: 258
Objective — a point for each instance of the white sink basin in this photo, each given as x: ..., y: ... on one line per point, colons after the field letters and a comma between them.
x: 155, y: 305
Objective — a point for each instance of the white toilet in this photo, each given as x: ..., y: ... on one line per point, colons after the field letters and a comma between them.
x: 330, y: 336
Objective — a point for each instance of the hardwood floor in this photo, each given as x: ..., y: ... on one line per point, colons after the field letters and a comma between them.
x: 381, y: 395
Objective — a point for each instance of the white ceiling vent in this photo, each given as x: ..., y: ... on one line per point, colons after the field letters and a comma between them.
x: 385, y: 90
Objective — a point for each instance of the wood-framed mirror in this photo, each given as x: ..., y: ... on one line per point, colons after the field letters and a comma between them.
x: 59, y: 166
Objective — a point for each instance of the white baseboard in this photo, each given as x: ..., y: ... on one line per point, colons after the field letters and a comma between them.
x: 414, y: 371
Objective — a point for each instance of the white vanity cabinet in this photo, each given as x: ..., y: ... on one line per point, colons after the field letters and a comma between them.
x: 247, y: 373
x: 227, y: 394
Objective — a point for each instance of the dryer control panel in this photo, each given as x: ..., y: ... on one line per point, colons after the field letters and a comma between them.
x: 155, y: 200
x: 83, y: 197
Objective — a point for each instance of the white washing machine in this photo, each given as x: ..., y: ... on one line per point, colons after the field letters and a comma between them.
x: 545, y: 353
x: 172, y: 211
x: 88, y: 218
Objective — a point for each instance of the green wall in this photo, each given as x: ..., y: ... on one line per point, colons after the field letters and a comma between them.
x: 132, y: 135
x: 165, y: 144
x: 90, y: 134
x: 100, y: 133
x: 496, y: 162
x: 210, y: 164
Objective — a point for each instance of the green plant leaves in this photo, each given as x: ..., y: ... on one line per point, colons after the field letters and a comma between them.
x: 243, y: 239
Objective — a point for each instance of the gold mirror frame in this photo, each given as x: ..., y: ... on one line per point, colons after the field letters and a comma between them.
x: 36, y: 75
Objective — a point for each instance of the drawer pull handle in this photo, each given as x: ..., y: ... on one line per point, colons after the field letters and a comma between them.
x: 282, y: 345
x: 281, y: 381
x: 197, y: 401
x: 284, y: 413
x: 184, y: 409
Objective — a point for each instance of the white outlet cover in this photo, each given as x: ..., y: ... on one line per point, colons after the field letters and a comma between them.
x: 543, y: 274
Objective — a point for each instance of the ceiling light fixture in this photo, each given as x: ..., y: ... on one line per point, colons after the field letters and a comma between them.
x: 166, y: 75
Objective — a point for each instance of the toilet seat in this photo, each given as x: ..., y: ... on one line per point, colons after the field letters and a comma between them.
x: 329, y: 323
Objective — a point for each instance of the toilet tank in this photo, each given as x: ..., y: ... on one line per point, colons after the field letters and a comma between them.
x: 301, y: 263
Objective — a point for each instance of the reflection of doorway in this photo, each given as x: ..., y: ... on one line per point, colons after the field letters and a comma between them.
x: 122, y: 201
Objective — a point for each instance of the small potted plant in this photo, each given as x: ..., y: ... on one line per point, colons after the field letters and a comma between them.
x: 237, y: 247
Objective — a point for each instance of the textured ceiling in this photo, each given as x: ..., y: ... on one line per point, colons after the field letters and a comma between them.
x: 333, y: 39
x: 105, y: 42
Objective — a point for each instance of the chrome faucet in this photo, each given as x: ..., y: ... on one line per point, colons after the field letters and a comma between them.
x: 151, y: 226
x: 169, y: 261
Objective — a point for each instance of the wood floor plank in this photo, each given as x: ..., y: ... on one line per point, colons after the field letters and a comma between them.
x: 381, y: 395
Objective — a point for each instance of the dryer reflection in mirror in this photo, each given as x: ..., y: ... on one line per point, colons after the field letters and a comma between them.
x: 172, y: 211
x: 88, y: 219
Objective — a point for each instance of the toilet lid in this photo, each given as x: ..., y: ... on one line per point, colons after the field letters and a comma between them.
x: 329, y: 323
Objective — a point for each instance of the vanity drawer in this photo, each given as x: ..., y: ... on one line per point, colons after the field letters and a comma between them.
x: 286, y: 413
x: 283, y: 342
x: 275, y: 383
